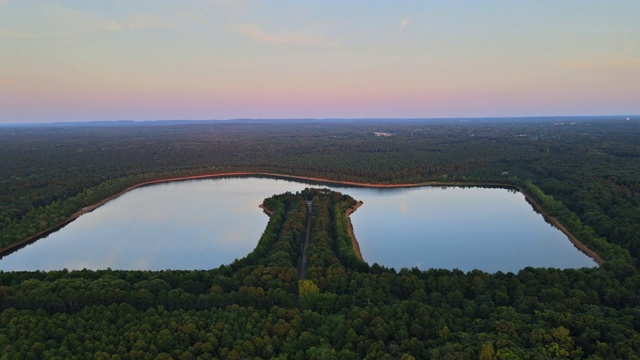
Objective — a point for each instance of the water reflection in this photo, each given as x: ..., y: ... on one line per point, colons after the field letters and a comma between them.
x: 202, y: 224
x: 489, y: 229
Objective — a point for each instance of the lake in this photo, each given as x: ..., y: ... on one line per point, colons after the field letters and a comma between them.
x: 202, y: 224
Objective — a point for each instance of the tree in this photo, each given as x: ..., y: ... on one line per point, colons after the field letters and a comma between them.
x: 308, y: 293
x: 487, y: 352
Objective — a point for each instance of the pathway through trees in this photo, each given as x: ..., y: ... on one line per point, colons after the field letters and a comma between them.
x: 305, y: 245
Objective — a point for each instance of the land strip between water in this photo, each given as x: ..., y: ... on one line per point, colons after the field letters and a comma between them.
x: 552, y: 220
x: 305, y: 245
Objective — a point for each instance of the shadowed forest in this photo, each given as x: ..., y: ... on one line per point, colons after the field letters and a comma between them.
x: 583, y: 172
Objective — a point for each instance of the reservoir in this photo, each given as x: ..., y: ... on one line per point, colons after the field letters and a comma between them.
x: 202, y: 224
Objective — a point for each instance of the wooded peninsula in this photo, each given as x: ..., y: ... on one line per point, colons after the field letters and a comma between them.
x: 584, y: 172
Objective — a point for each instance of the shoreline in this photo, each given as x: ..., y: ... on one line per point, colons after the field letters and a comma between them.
x: 266, y: 211
x: 554, y: 221
x: 354, y: 241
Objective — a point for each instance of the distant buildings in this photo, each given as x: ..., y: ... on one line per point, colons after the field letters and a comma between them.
x: 380, y: 133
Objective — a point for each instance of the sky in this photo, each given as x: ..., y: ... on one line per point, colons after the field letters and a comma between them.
x: 195, y: 59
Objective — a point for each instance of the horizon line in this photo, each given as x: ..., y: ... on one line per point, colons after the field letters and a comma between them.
x: 267, y: 119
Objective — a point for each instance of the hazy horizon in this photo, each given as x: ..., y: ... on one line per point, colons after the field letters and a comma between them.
x: 78, y: 61
x: 125, y: 122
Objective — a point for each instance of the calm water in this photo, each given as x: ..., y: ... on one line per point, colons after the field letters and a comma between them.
x: 203, y: 224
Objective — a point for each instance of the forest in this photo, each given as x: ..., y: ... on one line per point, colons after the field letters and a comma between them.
x: 584, y: 172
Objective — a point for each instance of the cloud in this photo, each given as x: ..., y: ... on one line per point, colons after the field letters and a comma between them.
x: 147, y: 22
x: 606, y: 64
x: 404, y: 23
x: 112, y: 25
x: 65, y: 21
x: 139, y: 22
x: 284, y: 38
x: 20, y: 35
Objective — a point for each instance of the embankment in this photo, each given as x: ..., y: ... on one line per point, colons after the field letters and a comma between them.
x: 354, y: 241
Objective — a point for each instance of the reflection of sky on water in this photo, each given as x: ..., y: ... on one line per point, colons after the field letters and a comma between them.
x: 465, y: 228
x: 202, y: 224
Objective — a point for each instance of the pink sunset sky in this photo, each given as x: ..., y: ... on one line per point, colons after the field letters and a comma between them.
x: 155, y: 60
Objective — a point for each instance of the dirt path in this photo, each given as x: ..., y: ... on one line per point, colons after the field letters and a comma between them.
x: 15, y: 246
x: 305, y: 245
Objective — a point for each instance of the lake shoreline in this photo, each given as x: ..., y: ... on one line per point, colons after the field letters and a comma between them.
x: 552, y: 220
x: 265, y: 210
x: 354, y: 241
x: 555, y: 222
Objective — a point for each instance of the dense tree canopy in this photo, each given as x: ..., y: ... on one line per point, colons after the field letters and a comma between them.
x: 586, y: 174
